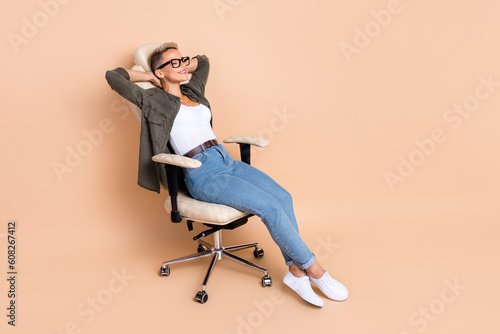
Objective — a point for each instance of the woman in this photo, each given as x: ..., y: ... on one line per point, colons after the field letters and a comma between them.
x: 180, y: 115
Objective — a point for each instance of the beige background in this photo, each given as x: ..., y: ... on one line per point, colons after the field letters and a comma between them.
x: 337, y: 123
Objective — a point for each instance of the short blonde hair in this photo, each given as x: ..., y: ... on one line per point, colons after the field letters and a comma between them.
x: 156, y: 57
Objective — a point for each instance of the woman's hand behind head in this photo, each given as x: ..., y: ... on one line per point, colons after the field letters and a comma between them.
x: 155, y: 80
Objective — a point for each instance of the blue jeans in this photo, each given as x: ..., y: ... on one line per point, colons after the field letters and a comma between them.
x: 222, y: 180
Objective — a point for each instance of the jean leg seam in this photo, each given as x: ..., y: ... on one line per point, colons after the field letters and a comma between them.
x: 250, y: 209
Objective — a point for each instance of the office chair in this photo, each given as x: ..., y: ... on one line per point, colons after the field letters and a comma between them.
x: 184, y: 207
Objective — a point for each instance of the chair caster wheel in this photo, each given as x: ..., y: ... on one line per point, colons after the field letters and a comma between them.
x: 258, y: 253
x: 164, y: 271
x: 201, y: 249
x: 267, y: 281
x: 201, y: 297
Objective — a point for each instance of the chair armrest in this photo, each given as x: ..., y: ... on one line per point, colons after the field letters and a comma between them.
x: 176, y: 160
x: 251, y: 140
x: 245, y: 142
x: 172, y: 162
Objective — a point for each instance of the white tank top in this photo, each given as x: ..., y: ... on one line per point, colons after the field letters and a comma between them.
x: 191, y: 128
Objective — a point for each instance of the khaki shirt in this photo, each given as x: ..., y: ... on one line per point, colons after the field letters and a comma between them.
x: 159, y: 110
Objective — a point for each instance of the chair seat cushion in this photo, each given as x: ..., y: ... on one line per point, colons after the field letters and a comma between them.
x: 204, y: 212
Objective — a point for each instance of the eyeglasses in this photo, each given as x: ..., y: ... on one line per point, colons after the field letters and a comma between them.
x: 176, y: 62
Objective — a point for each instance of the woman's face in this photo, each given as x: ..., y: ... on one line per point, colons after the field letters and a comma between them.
x: 178, y: 74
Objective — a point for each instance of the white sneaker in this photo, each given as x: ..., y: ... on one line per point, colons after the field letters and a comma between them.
x: 330, y: 287
x: 302, y: 286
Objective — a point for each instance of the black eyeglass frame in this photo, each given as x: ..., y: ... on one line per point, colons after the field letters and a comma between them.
x: 181, y: 60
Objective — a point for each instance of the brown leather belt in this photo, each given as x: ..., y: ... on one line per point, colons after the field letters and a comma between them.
x: 200, y: 148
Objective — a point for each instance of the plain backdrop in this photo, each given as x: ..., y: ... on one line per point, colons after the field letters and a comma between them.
x: 382, y: 118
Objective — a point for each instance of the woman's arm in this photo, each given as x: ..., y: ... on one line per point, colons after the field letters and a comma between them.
x: 200, y: 73
x: 193, y: 65
x: 121, y: 81
x: 137, y: 76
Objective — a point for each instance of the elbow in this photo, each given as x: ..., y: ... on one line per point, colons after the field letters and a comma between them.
x: 109, y: 76
x: 113, y: 76
x: 203, y: 60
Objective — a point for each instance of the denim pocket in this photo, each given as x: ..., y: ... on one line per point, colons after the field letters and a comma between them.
x: 225, y: 156
x: 200, y: 157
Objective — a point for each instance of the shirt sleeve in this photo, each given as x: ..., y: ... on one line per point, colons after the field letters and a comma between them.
x: 119, y: 80
x: 200, y: 75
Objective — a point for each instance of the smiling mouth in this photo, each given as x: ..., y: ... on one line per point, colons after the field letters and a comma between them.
x: 182, y: 72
